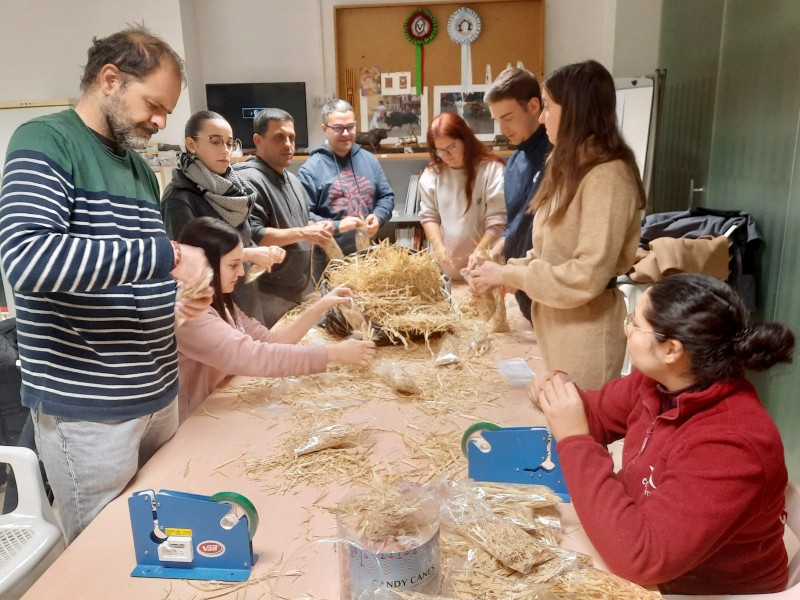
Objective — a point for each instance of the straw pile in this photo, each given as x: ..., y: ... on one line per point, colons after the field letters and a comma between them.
x: 399, y: 291
x: 314, y: 455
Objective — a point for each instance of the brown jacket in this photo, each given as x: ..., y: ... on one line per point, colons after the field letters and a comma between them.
x: 708, y: 255
x: 577, y: 318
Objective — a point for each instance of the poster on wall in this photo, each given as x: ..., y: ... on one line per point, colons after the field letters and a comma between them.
x: 370, y: 81
x: 399, y: 114
x: 469, y: 105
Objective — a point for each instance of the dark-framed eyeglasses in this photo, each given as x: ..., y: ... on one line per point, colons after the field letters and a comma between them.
x: 340, y: 129
x: 217, y: 141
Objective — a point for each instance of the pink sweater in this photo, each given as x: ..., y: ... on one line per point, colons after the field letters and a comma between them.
x: 210, y: 351
x: 697, y: 506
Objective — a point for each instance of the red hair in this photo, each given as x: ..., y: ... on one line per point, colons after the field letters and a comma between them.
x: 448, y: 124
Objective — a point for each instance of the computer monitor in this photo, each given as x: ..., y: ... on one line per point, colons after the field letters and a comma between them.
x: 239, y: 103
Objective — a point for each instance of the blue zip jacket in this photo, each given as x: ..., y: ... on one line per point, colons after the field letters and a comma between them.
x: 339, y: 187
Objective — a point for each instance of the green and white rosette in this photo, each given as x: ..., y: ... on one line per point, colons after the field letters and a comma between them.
x: 420, y: 28
x: 464, y: 27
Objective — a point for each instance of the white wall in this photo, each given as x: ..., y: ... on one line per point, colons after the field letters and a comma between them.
x: 637, y: 37
x: 45, y: 41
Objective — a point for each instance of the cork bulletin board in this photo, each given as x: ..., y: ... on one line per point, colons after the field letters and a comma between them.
x: 372, y: 36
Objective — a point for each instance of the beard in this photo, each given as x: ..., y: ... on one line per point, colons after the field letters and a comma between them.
x: 123, y: 131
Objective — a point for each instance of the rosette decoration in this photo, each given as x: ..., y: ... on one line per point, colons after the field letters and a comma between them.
x: 420, y: 28
x: 464, y: 27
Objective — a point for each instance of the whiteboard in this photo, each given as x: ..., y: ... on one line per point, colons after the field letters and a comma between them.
x: 15, y: 113
x: 634, y: 109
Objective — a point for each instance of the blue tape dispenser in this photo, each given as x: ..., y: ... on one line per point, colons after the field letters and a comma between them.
x: 513, y: 455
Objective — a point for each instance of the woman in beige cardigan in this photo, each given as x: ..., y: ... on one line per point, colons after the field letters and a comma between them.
x: 586, y: 230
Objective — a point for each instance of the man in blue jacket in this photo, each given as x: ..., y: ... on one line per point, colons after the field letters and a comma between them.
x: 345, y: 184
x: 515, y: 102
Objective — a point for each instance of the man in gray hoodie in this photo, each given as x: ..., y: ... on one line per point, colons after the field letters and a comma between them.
x: 280, y: 215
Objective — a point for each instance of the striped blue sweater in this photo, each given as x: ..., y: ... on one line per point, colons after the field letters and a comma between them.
x: 84, y: 248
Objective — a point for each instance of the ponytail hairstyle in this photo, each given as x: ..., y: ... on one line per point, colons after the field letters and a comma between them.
x: 451, y: 125
x: 216, y: 238
x: 711, y: 321
x: 588, y: 135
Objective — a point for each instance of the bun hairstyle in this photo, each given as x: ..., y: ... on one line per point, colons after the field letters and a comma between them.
x: 709, y: 318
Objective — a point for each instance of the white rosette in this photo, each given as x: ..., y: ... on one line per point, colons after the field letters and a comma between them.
x: 464, y: 27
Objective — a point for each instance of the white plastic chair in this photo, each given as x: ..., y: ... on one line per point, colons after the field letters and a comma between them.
x: 792, y: 539
x: 29, y: 538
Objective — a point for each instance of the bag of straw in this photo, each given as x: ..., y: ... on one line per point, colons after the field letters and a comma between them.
x: 332, y: 249
x: 396, y: 377
x: 467, y: 514
x: 338, y: 435
x: 362, y: 237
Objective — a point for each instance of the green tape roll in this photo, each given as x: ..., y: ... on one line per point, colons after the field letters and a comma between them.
x: 474, y: 428
x: 242, y: 503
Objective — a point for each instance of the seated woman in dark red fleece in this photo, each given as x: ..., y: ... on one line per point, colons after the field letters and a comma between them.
x: 697, y: 506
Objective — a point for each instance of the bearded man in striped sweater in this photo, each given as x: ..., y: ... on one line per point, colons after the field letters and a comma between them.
x: 94, y: 275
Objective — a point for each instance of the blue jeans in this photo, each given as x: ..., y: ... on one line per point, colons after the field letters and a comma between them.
x: 89, y: 463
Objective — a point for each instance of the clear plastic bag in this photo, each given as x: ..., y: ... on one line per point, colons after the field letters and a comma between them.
x: 396, y: 377
x: 467, y: 513
x: 338, y: 435
x: 449, y: 353
x: 398, y: 526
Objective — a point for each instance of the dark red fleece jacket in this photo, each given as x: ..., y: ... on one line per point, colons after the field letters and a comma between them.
x: 698, y: 505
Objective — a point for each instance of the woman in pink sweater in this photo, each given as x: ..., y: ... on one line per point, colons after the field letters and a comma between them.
x: 697, y: 506
x: 226, y: 342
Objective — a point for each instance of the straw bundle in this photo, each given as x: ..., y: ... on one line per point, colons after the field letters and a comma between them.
x: 508, y: 543
x: 399, y: 291
x: 382, y: 513
x: 589, y: 583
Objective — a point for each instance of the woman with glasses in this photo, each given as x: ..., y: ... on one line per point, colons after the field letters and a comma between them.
x: 203, y: 184
x: 226, y: 342
x: 586, y: 229
x: 697, y: 506
x: 462, y: 206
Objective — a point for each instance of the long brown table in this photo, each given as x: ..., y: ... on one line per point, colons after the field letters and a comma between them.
x: 208, y: 453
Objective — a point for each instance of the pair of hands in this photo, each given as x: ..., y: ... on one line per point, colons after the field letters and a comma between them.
x: 371, y: 222
x: 317, y: 232
x: 559, y: 400
x: 265, y: 256
x: 192, y: 270
x: 484, y: 275
x: 350, y: 351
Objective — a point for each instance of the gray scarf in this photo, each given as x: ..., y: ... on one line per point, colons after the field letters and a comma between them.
x: 227, y: 194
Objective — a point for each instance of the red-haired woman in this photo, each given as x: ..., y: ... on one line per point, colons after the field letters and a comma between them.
x: 462, y: 206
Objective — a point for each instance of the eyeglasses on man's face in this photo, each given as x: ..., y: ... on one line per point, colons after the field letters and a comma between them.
x: 340, y: 129
x: 450, y: 150
x: 629, y: 327
x: 218, y: 141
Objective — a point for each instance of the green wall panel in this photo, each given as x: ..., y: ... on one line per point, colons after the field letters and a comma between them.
x: 689, y: 52
x: 755, y: 166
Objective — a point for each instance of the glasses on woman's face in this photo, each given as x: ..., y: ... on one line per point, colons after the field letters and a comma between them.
x: 218, y: 141
x: 629, y: 327
x: 450, y: 150
x: 340, y: 129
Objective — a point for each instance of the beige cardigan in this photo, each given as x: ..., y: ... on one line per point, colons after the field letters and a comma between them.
x: 578, y: 321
